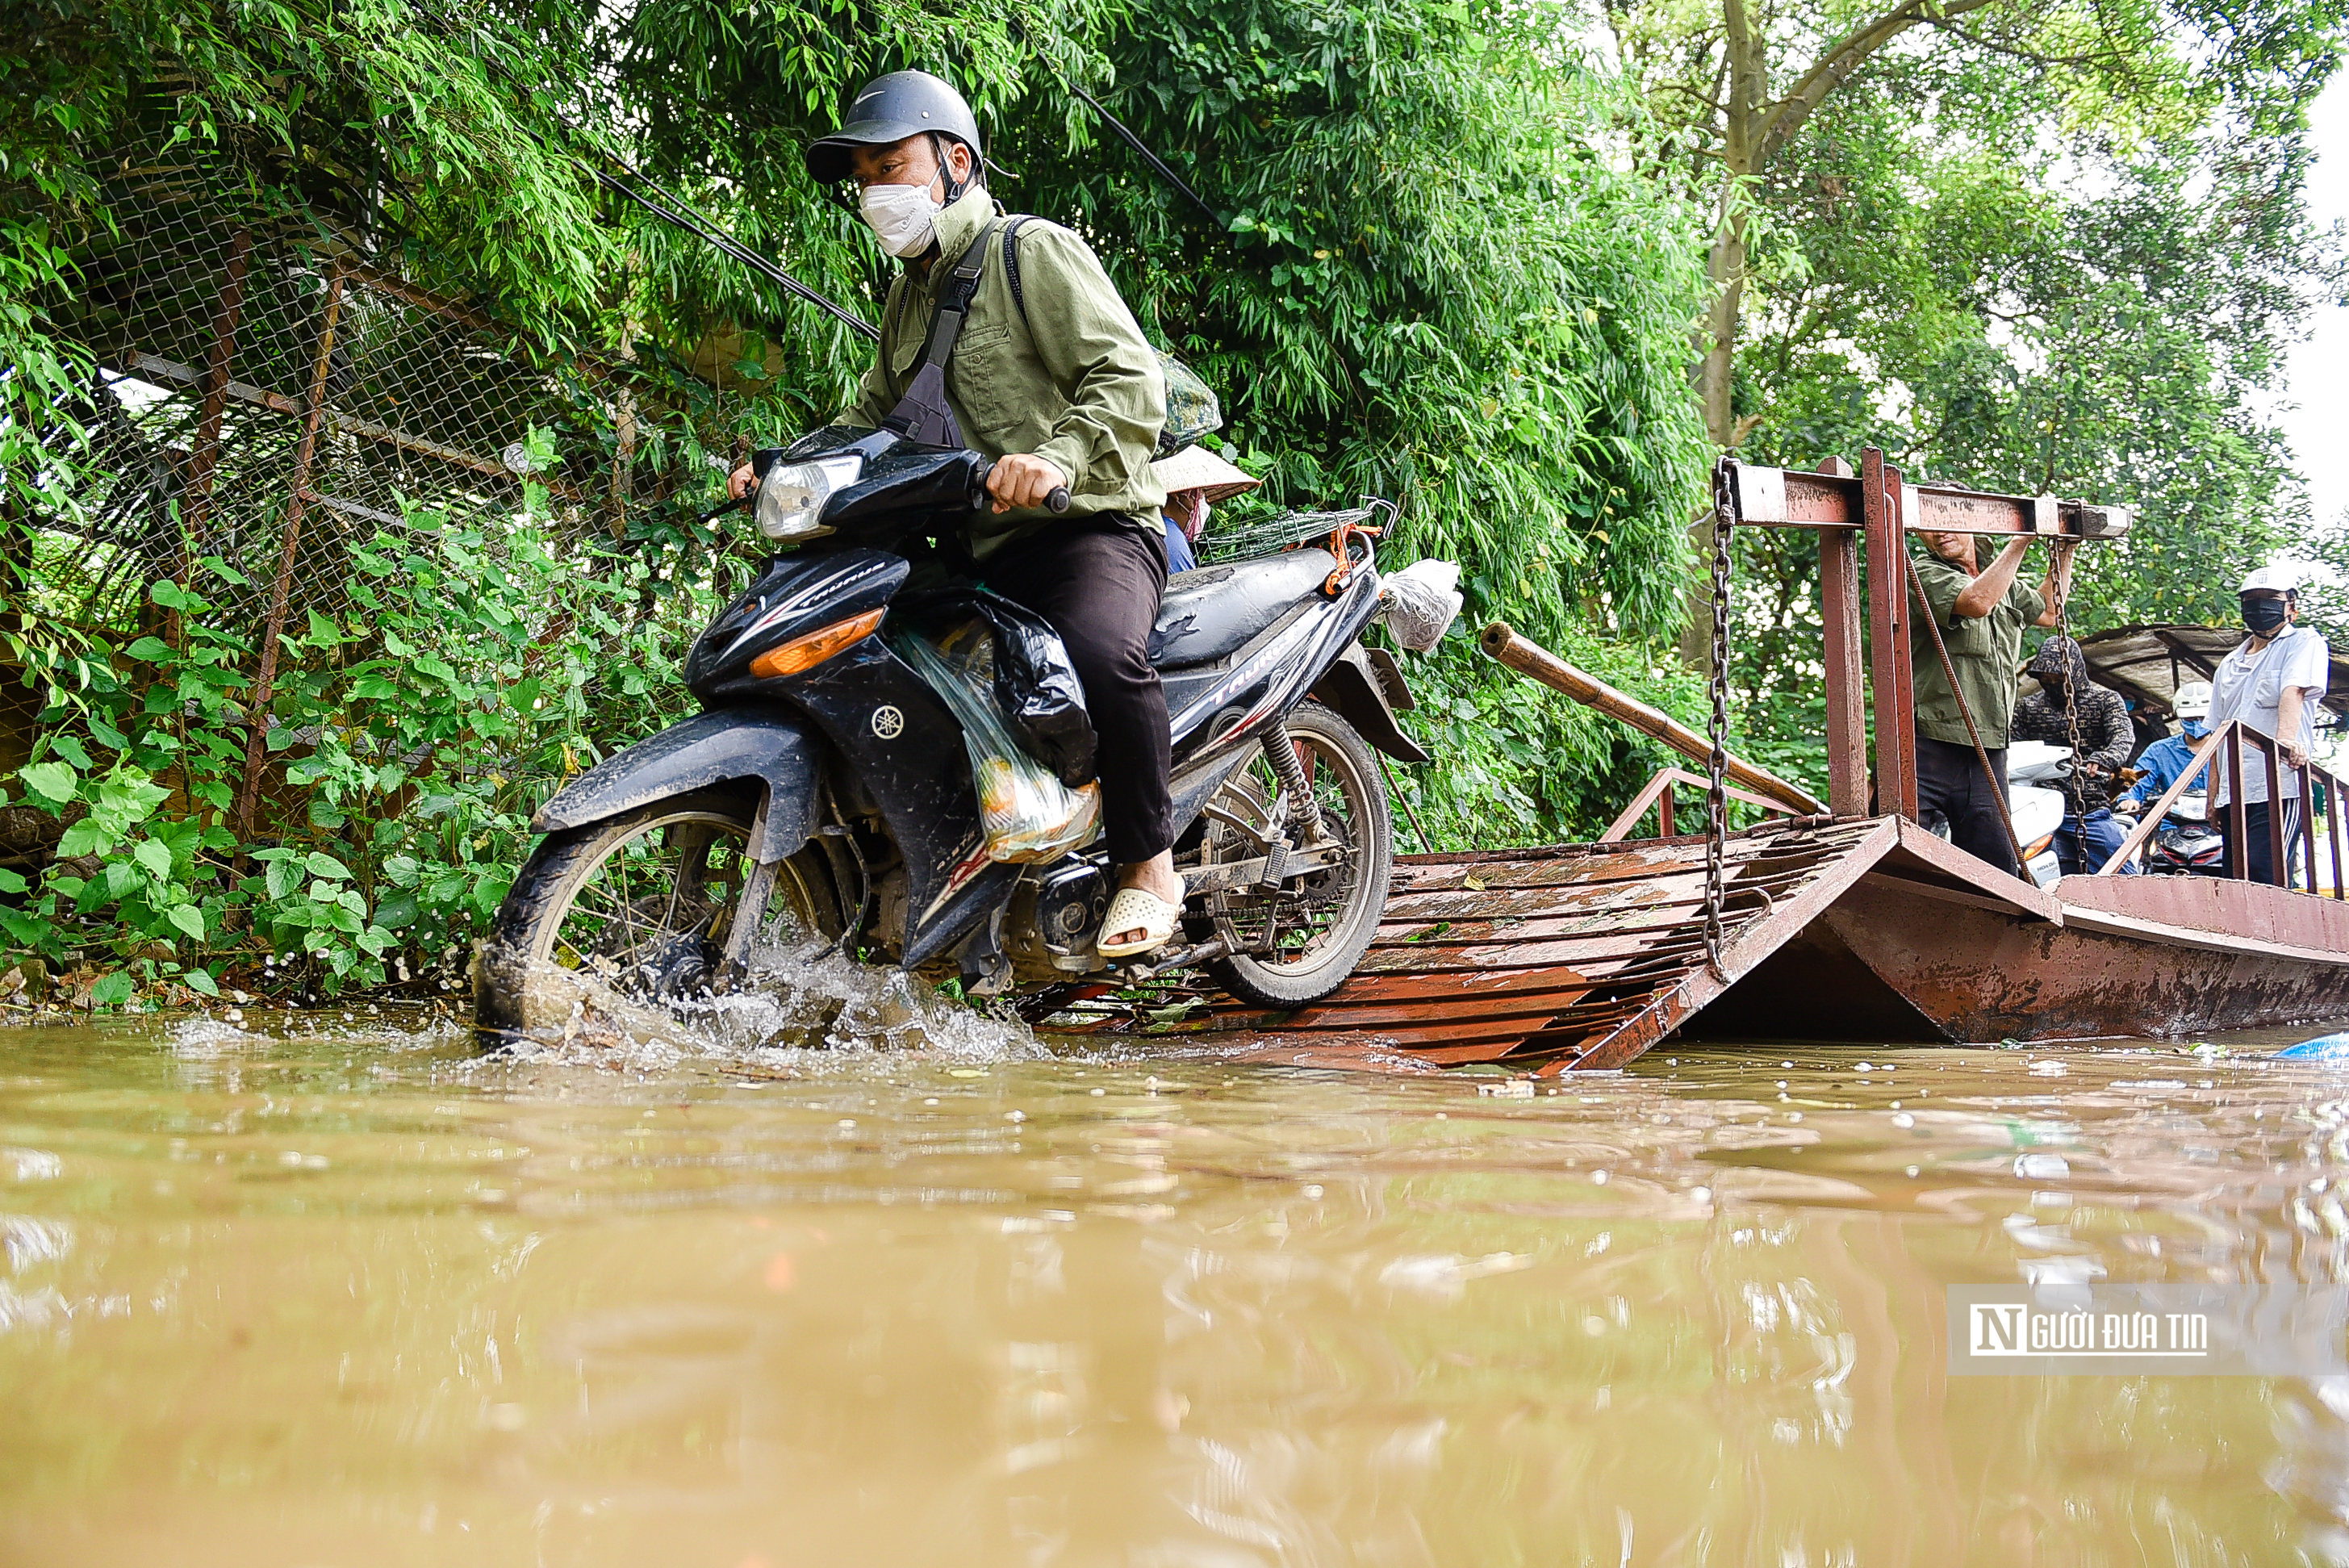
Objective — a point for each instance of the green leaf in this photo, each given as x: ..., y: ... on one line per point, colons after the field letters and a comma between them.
x: 155, y: 857
x: 50, y: 781
x: 151, y: 650
x: 201, y: 981
x: 189, y: 919
x: 86, y: 837
x: 113, y: 990
x: 324, y: 864
x: 70, y: 748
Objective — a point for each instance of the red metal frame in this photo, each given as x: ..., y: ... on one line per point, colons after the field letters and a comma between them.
x: 2310, y: 776
x: 1847, y: 693
x: 1875, y: 507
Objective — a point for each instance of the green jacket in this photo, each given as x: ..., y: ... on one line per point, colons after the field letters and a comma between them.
x: 1076, y: 383
x: 1985, y: 651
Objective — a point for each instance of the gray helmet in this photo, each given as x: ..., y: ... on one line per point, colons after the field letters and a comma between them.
x: 886, y: 112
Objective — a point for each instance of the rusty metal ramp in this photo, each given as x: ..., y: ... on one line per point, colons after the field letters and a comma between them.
x: 1577, y: 955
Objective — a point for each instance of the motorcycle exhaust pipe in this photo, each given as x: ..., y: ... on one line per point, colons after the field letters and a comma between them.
x: 1166, y: 960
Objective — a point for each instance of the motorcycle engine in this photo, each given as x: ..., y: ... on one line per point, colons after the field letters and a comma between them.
x: 1054, y: 920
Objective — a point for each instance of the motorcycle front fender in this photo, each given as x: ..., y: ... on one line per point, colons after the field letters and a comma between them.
x: 1357, y: 689
x: 726, y: 745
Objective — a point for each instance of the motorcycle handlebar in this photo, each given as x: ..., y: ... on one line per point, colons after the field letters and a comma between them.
x: 1056, y: 500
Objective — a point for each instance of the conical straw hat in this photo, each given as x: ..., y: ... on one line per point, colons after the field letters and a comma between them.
x: 1197, y: 468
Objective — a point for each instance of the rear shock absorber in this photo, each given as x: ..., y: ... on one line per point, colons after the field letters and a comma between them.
x: 1303, y: 809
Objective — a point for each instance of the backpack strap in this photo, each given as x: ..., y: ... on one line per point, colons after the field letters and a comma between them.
x: 1011, y: 263
x: 922, y: 414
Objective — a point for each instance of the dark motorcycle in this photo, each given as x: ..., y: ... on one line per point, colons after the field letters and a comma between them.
x: 824, y: 796
x: 2185, y: 843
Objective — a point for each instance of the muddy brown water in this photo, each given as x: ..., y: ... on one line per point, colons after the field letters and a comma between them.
x: 321, y: 1290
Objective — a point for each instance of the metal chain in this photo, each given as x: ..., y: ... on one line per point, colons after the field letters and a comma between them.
x: 2078, y: 795
x: 1716, y: 825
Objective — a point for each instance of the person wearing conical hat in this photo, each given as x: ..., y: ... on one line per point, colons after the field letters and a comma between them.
x: 1195, y: 479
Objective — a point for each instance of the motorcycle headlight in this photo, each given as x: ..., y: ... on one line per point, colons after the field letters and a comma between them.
x: 791, y: 496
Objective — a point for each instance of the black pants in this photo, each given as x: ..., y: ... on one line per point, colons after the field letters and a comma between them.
x: 1949, y: 780
x: 1099, y: 584
x: 2258, y: 863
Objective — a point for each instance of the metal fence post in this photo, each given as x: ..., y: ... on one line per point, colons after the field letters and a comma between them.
x: 272, y: 632
x: 226, y: 319
x: 1893, y: 679
x: 1846, y: 689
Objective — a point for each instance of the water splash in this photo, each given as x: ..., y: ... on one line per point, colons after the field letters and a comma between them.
x: 796, y: 1013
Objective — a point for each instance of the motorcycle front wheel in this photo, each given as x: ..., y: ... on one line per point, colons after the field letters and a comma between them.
x: 639, y: 903
x: 1298, y: 944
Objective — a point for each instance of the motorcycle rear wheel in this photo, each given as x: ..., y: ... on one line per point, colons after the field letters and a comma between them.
x: 1302, y: 943
x: 641, y: 903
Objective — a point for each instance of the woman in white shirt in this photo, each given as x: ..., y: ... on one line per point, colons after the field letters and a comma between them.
x: 2272, y: 682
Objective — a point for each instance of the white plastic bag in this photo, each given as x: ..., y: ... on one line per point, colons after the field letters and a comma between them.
x: 1419, y: 603
x: 1028, y: 813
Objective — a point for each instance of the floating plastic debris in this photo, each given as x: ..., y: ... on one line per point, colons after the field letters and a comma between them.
x: 2324, y: 1048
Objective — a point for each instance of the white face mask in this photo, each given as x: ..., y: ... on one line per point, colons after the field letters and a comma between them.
x: 903, y: 217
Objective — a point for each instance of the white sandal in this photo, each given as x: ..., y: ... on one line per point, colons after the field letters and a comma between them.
x: 1134, y: 909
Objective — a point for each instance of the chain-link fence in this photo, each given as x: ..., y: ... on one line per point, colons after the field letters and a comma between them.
x: 270, y: 394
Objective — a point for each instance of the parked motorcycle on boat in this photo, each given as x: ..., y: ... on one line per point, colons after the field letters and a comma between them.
x: 824, y: 796
x: 2035, y: 772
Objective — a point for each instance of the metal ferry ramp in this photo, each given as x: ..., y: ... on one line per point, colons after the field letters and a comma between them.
x: 1836, y: 923
x: 1585, y: 955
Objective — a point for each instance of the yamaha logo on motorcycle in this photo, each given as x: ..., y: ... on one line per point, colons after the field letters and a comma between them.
x: 780, y: 818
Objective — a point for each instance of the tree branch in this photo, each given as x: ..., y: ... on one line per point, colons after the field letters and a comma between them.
x: 2014, y: 52
x: 1789, y: 114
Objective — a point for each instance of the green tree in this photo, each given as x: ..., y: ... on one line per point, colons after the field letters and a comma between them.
x: 1958, y: 263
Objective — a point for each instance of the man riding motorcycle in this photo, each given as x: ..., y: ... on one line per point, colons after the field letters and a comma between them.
x: 1050, y: 376
x: 2167, y: 758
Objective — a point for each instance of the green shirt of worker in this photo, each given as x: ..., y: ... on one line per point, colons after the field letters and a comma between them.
x: 1981, y: 615
x: 1071, y: 380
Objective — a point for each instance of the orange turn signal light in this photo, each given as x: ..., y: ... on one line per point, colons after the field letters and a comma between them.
x: 803, y: 653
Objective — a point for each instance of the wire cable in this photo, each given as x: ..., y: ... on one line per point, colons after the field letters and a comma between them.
x: 670, y: 208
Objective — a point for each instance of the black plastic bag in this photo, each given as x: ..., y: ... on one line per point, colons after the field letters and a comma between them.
x: 1036, y: 687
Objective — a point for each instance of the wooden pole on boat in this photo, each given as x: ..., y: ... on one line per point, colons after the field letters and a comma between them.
x: 1538, y: 663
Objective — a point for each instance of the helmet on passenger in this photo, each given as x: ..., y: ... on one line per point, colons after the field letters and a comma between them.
x: 2281, y: 578
x: 2193, y: 701
x: 886, y: 112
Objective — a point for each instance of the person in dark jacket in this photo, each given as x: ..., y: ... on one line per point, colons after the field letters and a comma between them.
x: 2089, y: 836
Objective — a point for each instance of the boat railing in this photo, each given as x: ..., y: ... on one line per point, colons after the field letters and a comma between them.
x: 2306, y: 778
x: 1659, y: 793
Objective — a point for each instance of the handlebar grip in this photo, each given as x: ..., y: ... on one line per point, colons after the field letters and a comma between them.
x: 1058, y: 500
x: 739, y: 503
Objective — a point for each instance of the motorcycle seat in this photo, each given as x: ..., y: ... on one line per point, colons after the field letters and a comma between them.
x: 1211, y: 613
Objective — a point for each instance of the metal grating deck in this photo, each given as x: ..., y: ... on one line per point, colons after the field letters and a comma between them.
x: 1556, y: 957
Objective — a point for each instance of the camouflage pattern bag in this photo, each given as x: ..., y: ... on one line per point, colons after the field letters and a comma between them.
x: 1192, y: 410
